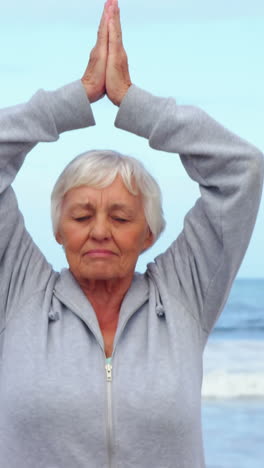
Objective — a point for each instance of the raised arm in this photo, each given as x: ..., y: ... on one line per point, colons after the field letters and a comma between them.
x: 201, y: 264
x: 42, y: 119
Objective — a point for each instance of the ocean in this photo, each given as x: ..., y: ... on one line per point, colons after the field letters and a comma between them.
x: 233, y: 388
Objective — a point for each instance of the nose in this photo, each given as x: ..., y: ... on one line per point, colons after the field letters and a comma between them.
x: 100, y: 230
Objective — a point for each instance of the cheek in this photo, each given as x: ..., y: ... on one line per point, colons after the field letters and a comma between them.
x: 73, y: 239
x: 135, y: 241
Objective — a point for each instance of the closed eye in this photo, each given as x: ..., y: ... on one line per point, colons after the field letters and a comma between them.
x: 120, y: 220
x: 82, y: 218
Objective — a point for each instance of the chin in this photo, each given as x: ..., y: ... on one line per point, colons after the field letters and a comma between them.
x: 100, y: 274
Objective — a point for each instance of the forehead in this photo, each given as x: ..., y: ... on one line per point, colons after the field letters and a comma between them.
x: 115, y: 194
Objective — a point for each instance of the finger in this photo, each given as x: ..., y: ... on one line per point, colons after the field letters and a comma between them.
x: 118, y: 22
x: 115, y: 30
x: 102, y: 30
x: 107, y: 5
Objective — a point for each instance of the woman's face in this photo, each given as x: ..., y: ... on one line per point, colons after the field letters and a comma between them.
x: 103, y: 232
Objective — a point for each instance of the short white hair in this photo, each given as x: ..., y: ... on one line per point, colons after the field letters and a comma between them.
x: 98, y: 169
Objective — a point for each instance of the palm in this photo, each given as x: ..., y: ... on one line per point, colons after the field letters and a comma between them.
x: 117, y: 73
x: 94, y: 75
x: 107, y: 70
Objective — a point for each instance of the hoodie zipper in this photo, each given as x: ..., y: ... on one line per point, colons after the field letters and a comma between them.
x: 109, y: 424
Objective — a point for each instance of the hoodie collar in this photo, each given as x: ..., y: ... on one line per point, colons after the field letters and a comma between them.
x: 69, y: 292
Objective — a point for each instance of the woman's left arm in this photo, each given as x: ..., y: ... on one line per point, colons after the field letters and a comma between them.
x: 205, y: 258
x: 202, y: 263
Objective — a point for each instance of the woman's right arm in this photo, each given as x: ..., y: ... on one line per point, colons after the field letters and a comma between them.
x: 22, y: 266
x: 42, y: 119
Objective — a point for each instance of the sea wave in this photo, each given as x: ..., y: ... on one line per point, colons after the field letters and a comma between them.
x: 233, y: 369
x: 221, y: 384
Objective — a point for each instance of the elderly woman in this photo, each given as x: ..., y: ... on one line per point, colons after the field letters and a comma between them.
x: 61, y: 404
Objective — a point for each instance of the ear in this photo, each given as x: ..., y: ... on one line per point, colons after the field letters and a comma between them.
x: 149, y: 240
x: 58, y: 238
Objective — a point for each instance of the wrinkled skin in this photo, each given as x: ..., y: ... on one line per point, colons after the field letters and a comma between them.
x: 107, y: 71
x: 102, y: 244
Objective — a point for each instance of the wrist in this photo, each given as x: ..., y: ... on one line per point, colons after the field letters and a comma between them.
x: 92, y: 93
x: 117, y: 100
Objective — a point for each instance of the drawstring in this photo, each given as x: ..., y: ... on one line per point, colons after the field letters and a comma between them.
x: 54, y: 316
x: 159, y: 306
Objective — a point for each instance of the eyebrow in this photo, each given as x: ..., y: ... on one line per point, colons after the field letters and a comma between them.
x: 120, y: 206
x: 113, y: 207
x: 86, y: 206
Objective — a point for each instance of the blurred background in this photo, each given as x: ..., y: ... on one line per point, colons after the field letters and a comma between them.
x: 208, y: 54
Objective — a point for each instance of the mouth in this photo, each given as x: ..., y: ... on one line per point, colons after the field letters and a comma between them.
x: 99, y: 253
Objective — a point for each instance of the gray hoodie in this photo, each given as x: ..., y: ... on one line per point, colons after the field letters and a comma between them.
x: 59, y: 406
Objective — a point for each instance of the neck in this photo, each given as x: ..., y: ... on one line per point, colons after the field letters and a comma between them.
x: 106, y: 297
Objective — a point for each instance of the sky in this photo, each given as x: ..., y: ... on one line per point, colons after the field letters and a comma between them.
x: 207, y: 54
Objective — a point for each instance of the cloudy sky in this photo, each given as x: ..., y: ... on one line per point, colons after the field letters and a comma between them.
x: 206, y: 53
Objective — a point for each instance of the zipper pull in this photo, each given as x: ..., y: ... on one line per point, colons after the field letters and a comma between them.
x: 108, y: 368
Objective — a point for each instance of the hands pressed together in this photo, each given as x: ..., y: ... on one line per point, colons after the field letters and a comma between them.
x: 107, y: 70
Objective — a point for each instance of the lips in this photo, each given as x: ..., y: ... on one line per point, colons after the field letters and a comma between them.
x: 99, y: 253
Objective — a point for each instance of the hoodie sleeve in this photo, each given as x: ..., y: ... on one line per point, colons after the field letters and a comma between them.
x: 201, y: 264
x: 42, y: 119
